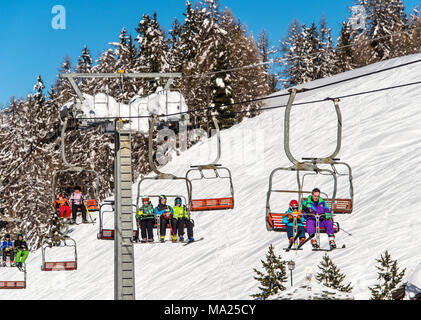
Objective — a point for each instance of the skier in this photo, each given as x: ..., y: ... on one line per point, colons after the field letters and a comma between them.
x: 288, y: 219
x: 77, y: 203
x: 164, y: 212
x: 181, y: 218
x: 21, y: 250
x: 63, y: 205
x: 315, y: 205
x: 145, y: 219
x: 7, y: 250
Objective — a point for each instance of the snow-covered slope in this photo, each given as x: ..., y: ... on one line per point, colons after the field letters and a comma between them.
x: 381, y: 141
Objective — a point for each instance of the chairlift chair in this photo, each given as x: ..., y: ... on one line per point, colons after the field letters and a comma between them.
x: 139, y: 203
x: 159, y: 175
x: 218, y: 172
x: 71, y: 170
x: 274, y: 219
x: 68, y: 265
x: 108, y: 234
x: 16, y: 284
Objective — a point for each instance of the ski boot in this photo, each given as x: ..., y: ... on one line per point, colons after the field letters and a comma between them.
x: 4, y: 264
x: 181, y: 239
x: 314, y: 244
x: 302, y: 240
x: 173, y: 239
x: 150, y: 240
x: 191, y: 239
x: 290, y: 240
x: 143, y: 240
x: 332, y: 244
x: 162, y: 239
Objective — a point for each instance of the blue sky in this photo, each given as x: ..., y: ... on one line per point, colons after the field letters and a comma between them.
x: 30, y: 46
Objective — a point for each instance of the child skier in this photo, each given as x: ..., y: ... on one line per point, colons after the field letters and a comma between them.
x: 7, y: 250
x: 181, y: 218
x: 63, y: 205
x: 288, y: 219
x: 164, y: 212
x: 315, y: 205
x: 145, y: 219
x: 21, y: 250
x: 77, y: 203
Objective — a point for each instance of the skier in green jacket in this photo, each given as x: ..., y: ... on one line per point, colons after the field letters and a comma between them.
x: 181, y: 218
x: 22, y: 252
x: 145, y: 219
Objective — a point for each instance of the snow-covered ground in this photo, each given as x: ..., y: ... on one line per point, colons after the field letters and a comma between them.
x: 381, y: 141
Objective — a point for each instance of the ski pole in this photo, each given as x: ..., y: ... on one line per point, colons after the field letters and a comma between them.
x: 350, y: 234
x: 88, y: 212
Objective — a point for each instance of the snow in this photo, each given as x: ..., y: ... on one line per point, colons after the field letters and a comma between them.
x: 380, y: 141
x: 159, y: 103
x: 413, y: 287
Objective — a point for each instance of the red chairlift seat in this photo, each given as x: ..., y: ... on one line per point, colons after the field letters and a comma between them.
x: 15, y: 284
x: 275, y: 222
x: 59, y: 266
x: 341, y: 205
x: 92, y: 205
x: 211, y: 204
x: 12, y: 284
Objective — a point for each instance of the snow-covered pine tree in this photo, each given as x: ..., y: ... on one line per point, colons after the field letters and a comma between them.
x: 327, y: 55
x: 84, y: 65
x: 330, y: 275
x: 273, y: 276
x: 293, y: 49
x: 106, y: 63
x: 389, y: 277
x: 153, y: 50
x: 222, y: 92
x: 414, y: 24
x: 266, y: 54
x: 344, y: 50
x: 62, y: 86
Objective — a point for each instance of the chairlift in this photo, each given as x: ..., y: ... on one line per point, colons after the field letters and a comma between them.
x: 68, y: 265
x: 108, y: 234
x: 214, y: 171
x: 78, y: 177
x: 16, y: 284
x: 309, y: 167
x: 159, y: 175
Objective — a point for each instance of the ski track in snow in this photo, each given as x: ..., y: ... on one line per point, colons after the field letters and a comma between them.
x: 381, y: 142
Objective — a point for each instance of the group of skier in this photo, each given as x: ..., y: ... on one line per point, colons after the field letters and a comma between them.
x: 164, y: 215
x: 312, y: 208
x: 75, y: 202
x: 9, y: 249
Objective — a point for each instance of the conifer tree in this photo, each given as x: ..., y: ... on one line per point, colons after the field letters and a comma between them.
x: 330, y: 275
x: 222, y: 97
x: 273, y: 277
x: 389, y: 277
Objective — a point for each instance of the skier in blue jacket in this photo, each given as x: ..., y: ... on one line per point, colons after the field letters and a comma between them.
x: 7, y: 250
x: 288, y: 219
x: 164, y: 212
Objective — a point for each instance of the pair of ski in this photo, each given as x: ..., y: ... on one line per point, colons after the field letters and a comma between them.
x: 305, y: 241
x: 185, y: 243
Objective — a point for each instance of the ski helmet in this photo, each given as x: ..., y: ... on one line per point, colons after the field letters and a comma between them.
x: 7, y: 236
x: 162, y: 197
x: 178, y: 201
x: 145, y: 198
x: 293, y: 204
